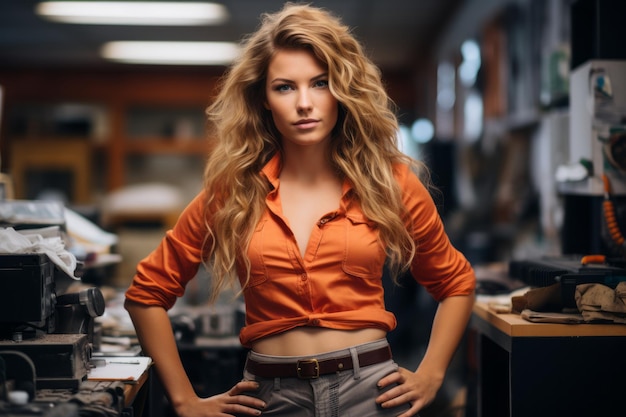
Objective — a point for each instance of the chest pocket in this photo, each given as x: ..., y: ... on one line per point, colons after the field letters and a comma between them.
x: 364, y: 255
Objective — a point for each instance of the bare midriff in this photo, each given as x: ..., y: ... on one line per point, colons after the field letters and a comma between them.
x: 303, y: 341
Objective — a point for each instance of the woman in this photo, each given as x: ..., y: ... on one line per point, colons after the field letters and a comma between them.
x: 306, y: 197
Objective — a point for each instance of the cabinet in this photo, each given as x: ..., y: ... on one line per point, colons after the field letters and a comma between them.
x: 527, y: 369
x: 134, y: 113
x: 67, y: 155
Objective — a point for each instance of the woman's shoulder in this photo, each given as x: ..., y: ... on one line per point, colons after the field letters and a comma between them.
x: 192, y: 217
x: 409, y: 174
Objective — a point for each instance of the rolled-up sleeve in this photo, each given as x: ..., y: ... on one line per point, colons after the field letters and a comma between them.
x: 437, y: 265
x: 161, y: 276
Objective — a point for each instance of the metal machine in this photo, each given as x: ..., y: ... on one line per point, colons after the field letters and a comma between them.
x: 42, y: 322
x: 54, y: 331
x: 593, y: 184
x: 47, y: 332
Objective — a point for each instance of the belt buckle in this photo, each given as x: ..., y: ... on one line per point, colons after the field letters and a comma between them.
x: 316, y: 368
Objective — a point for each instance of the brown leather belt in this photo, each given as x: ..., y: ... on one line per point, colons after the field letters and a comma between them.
x: 313, y: 368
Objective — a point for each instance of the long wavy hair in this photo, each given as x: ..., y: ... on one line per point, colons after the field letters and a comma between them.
x: 363, y: 143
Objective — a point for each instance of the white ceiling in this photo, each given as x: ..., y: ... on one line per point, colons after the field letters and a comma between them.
x: 394, y: 32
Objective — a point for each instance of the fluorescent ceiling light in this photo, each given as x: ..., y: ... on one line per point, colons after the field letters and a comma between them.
x: 173, y: 53
x: 133, y: 12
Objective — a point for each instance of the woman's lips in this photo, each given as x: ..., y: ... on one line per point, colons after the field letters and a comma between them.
x: 306, y: 123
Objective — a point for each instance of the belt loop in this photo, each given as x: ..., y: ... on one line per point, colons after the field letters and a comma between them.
x: 277, y: 384
x: 356, y: 366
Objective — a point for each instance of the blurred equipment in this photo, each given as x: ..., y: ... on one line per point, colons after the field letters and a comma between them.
x: 39, y: 318
x: 568, y: 272
x: 54, y: 331
x: 593, y: 183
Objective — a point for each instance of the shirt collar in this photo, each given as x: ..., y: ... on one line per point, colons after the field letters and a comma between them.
x: 272, y: 169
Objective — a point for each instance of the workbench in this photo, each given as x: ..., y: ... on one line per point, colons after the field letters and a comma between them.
x: 528, y: 369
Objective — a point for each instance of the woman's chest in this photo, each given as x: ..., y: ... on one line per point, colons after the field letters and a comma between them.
x: 338, y: 243
x: 303, y: 208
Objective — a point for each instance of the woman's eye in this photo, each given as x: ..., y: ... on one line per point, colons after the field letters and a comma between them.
x: 321, y: 84
x: 283, y: 87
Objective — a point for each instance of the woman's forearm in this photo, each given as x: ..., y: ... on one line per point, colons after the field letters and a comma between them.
x: 448, y: 328
x: 156, y: 337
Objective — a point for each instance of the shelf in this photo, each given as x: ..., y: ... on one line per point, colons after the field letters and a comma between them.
x: 121, y: 113
x: 150, y: 145
x: 72, y: 155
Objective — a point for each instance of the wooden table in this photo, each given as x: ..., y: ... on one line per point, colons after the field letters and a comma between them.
x: 527, y: 369
x: 132, y: 391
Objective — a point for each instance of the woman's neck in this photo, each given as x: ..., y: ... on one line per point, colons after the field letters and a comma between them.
x: 307, y: 164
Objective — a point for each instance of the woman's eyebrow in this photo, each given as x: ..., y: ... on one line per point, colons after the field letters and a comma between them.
x: 287, y: 80
x: 322, y: 75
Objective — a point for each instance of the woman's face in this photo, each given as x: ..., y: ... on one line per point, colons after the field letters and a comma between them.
x: 303, y: 109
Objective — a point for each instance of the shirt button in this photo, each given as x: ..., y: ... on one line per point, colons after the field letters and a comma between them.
x: 303, y: 277
x: 315, y: 322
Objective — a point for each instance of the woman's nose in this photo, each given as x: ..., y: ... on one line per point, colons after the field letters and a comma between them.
x: 304, y: 101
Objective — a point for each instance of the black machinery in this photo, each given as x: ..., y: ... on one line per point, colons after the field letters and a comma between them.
x: 47, y: 329
x: 55, y: 331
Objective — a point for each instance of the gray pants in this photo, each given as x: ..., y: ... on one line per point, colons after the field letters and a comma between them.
x: 349, y: 393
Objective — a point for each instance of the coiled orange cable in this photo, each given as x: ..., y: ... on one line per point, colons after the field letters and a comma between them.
x: 609, y: 214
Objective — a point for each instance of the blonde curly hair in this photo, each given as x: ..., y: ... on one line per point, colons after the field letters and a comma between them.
x: 363, y: 144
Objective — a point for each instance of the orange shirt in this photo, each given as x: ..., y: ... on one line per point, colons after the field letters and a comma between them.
x: 338, y: 282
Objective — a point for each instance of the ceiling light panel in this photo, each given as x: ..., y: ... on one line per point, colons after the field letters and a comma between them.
x: 172, y: 53
x: 133, y: 13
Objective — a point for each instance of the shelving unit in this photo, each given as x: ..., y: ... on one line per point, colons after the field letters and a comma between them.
x: 59, y: 154
x: 140, y: 113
